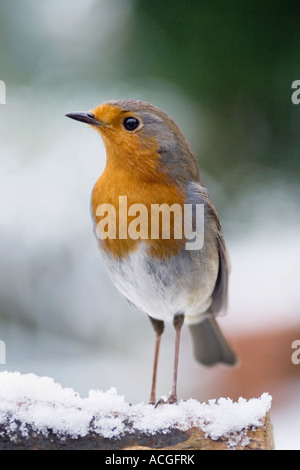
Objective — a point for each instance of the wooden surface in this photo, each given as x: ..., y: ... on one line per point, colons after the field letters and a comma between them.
x: 192, y: 439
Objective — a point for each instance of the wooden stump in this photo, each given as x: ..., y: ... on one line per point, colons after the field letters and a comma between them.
x: 189, y: 440
x: 37, y: 413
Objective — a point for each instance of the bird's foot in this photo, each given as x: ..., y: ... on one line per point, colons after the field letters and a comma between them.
x: 172, y: 400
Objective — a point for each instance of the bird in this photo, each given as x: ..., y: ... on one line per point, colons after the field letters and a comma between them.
x: 150, y: 164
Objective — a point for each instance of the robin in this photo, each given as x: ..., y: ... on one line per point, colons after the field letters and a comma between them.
x: 150, y: 164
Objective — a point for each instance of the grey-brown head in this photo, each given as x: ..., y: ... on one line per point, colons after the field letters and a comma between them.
x: 134, y: 126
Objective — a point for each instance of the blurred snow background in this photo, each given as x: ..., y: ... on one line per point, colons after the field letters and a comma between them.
x: 60, y: 316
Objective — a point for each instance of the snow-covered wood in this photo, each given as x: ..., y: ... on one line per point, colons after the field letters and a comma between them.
x: 37, y: 413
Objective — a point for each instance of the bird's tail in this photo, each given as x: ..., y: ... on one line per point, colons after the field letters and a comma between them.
x: 210, y: 346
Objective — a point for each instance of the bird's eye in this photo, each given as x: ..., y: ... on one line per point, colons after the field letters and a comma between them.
x: 131, y: 123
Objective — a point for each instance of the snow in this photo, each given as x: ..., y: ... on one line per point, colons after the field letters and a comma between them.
x: 41, y: 404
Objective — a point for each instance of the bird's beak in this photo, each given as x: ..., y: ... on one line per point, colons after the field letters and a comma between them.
x: 88, y: 118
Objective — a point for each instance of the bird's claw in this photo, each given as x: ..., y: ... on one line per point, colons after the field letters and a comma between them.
x: 172, y: 400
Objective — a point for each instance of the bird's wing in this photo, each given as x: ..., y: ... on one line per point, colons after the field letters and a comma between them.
x: 197, y: 194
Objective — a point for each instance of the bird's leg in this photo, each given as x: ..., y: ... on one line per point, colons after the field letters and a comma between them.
x: 158, y: 326
x: 153, y: 387
x: 177, y: 322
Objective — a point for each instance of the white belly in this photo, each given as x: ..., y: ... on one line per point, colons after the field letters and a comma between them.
x: 162, y: 288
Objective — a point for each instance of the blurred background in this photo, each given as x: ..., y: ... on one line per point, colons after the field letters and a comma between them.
x: 223, y: 71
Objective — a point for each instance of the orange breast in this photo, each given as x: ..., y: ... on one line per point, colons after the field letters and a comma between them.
x: 118, y: 181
